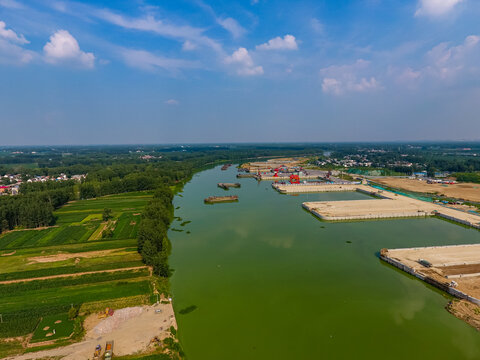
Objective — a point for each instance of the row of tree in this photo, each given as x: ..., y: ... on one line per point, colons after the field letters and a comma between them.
x: 32, y: 210
x: 153, y: 243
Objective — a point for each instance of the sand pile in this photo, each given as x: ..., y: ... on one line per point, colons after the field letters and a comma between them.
x: 120, y: 316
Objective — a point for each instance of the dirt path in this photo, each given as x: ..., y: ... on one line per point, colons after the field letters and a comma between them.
x: 131, y: 330
x: 73, y: 275
x: 67, y: 256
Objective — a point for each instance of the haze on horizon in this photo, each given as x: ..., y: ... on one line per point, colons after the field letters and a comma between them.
x: 192, y: 71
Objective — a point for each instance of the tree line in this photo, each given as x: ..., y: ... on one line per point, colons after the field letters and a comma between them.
x: 33, y: 209
x: 153, y: 243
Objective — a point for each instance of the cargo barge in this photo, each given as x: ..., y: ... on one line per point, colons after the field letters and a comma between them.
x: 226, y: 166
x: 220, y: 199
x: 227, y: 186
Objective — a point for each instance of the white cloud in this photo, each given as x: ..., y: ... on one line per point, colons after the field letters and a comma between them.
x: 63, y: 48
x: 244, y: 62
x: 172, y: 102
x: 147, y: 61
x: 435, y: 8
x: 188, y: 46
x: 447, y: 61
x: 340, y: 79
x: 13, y: 54
x: 287, y: 43
x: 10, y: 35
x: 159, y: 27
x: 11, y: 51
x: 11, y: 4
x: 232, y: 26
x: 317, y: 26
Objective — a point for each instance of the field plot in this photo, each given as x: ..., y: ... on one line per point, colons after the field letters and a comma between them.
x: 43, y: 273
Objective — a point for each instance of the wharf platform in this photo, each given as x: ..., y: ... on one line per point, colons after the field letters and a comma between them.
x: 438, y: 265
x: 388, y: 205
x: 313, y: 188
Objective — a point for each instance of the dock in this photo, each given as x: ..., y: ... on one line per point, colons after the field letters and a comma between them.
x: 454, y: 269
x: 227, y: 186
x: 220, y: 199
x: 387, y: 205
x: 313, y: 187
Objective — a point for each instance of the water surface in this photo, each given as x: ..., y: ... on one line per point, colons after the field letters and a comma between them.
x: 267, y: 280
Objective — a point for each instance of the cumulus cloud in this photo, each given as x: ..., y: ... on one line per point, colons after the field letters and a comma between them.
x: 172, y: 102
x: 340, y: 79
x: 63, y: 48
x: 146, y: 60
x: 288, y: 42
x: 11, y: 50
x: 435, y: 8
x: 11, y: 35
x: 245, y: 65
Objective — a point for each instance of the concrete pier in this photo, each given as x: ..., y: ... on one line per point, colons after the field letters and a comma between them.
x: 389, y: 205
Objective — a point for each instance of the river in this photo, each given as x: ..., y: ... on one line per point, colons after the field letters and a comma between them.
x: 264, y: 279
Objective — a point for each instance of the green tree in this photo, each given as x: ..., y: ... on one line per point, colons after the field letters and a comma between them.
x: 107, y: 214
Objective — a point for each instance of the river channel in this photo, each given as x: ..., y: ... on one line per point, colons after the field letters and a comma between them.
x: 264, y: 279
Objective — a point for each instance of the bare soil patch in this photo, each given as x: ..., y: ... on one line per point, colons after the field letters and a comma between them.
x: 67, y: 256
x: 465, y: 191
x: 466, y: 311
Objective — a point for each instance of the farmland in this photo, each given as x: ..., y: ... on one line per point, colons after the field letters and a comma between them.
x: 46, y: 272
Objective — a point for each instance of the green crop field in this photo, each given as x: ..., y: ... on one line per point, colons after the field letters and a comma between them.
x: 87, y: 269
x: 126, y: 226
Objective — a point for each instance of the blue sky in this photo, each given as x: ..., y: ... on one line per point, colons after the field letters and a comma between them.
x: 196, y: 71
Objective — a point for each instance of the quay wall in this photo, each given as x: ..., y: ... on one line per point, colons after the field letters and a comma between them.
x: 456, y: 219
x: 305, y: 188
x: 452, y: 291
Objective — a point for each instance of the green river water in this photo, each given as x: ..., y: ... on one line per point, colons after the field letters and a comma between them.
x: 267, y: 280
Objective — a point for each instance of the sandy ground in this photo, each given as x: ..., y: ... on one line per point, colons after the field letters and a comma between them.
x: 465, y: 191
x: 131, y: 329
x: 439, y: 255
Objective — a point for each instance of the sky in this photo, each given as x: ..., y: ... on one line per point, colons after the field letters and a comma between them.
x: 198, y: 71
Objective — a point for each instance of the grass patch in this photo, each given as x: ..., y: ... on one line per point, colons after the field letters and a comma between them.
x: 45, y: 329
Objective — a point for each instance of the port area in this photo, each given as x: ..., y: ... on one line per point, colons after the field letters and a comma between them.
x: 220, y: 199
x: 454, y: 269
x: 387, y: 205
x: 133, y: 330
x: 227, y: 186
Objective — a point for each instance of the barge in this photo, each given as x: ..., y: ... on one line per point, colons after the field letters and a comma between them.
x: 227, y: 186
x: 220, y: 199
